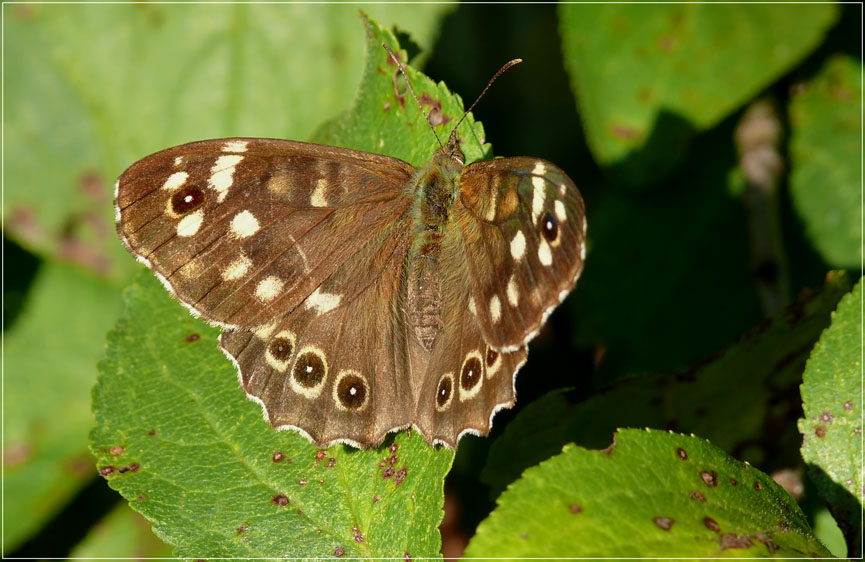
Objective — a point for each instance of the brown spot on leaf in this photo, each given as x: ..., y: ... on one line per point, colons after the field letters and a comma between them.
x: 393, y: 448
x: 406, y: 556
x: 387, y: 473
x: 280, y: 499
x: 320, y: 454
x: 141, y: 497
x: 665, y: 523
x: 116, y: 450
x: 711, y: 524
x: 106, y: 471
x: 826, y: 417
x: 241, y: 528
x: 331, y: 462
x: 277, y: 456
x: 357, y: 535
x: 192, y: 338
x: 771, y: 546
x: 757, y: 486
x: 575, y: 508
x: 732, y: 540
x: 682, y: 454
x: 783, y: 525
x: 733, y: 481
x: 151, y: 432
x: 626, y: 132
x: 848, y: 405
x: 400, y: 475
x: 710, y: 478
x: 376, y: 499
x: 382, y: 463
x: 339, y: 552
x: 16, y: 454
x: 303, y: 482
x: 698, y: 496
x: 129, y: 468
x: 408, y: 433
x: 820, y: 432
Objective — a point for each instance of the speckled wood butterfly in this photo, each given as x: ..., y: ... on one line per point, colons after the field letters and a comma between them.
x: 359, y: 295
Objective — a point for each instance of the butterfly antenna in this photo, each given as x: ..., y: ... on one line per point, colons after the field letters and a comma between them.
x: 401, y: 67
x: 501, y: 71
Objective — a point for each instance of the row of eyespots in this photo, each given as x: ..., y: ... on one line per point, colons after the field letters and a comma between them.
x: 350, y: 389
x: 470, y: 378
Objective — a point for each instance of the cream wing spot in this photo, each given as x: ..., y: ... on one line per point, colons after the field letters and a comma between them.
x: 189, y: 225
x: 244, y: 224
x: 318, y: 199
x: 235, y: 146
x: 178, y: 161
x: 268, y: 288
x: 175, y: 180
x: 513, y: 292
x: 561, y: 213
x: 495, y: 308
x: 473, y: 308
x: 545, y: 253
x: 237, y: 269
x: 322, y: 302
x: 539, y: 194
x: 518, y: 246
x: 222, y: 174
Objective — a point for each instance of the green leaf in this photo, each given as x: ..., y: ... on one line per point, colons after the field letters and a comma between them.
x: 832, y: 426
x: 85, y: 101
x: 651, y: 494
x: 750, y: 377
x: 121, y: 534
x: 177, y: 438
x: 826, y: 149
x: 49, y: 366
x: 648, y: 77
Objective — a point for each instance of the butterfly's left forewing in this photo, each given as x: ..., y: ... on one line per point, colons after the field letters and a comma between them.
x: 242, y: 230
x: 523, y: 229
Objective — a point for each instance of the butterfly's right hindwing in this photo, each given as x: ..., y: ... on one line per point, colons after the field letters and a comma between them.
x: 245, y: 230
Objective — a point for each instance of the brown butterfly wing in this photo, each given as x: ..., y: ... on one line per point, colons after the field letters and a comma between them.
x: 524, y: 230
x: 305, y: 289
x: 243, y: 230
x: 338, y: 374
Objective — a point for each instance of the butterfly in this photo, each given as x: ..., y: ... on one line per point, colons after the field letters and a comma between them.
x: 359, y: 295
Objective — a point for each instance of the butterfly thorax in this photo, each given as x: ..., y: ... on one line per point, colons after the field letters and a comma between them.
x: 434, y: 189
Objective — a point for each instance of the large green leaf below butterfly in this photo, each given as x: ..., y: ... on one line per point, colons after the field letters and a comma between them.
x: 177, y: 438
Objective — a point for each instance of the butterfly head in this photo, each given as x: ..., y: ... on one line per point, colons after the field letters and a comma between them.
x: 452, y: 149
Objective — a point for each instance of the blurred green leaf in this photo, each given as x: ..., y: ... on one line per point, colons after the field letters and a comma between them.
x: 667, y: 277
x: 832, y: 426
x: 122, y: 533
x: 652, y: 494
x: 826, y: 150
x: 751, y: 377
x: 647, y: 77
x: 177, y: 438
x: 85, y: 101
x: 49, y: 366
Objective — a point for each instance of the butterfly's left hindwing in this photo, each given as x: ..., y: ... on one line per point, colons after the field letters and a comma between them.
x: 523, y: 230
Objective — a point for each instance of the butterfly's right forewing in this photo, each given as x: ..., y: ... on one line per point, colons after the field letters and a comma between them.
x: 524, y: 234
